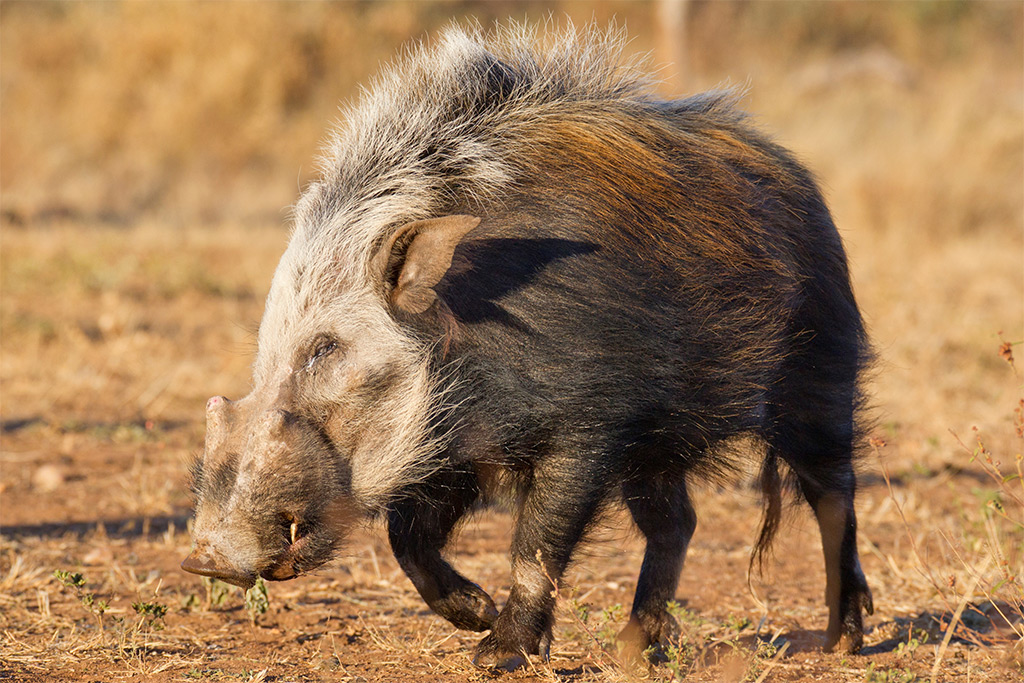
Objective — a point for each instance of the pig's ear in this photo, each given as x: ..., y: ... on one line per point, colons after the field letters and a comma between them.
x: 417, y: 256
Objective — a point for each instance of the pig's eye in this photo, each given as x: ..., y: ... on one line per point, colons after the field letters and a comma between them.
x: 325, y: 349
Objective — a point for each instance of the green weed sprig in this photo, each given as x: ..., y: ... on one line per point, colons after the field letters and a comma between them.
x: 76, y: 582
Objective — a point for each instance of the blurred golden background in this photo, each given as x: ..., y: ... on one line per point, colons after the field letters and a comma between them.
x: 200, y: 111
x: 149, y: 152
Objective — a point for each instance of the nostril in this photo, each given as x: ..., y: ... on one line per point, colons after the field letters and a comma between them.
x: 217, y: 404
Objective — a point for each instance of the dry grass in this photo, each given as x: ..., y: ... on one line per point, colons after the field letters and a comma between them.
x: 147, y: 150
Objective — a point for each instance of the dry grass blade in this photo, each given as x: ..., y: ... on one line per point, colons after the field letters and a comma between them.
x: 955, y: 619
x: 923, y: 567
x: 596, y: 646
x: 772, y: 663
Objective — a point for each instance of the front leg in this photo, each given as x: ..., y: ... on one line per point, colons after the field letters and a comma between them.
x: 418, y: 527
x: 560, y: 504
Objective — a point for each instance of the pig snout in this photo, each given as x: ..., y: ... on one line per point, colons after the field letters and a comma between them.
x: 270, y: 501
x: 207, y: 561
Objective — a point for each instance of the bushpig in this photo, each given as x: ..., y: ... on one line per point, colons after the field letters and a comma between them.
x: 523, y: 276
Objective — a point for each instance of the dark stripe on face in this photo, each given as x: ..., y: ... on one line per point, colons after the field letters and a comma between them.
x: 379, y: 383
x: 218, y: 479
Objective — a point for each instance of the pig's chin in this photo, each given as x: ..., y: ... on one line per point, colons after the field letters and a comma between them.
x: 279, y: 572
x: 243, y: 581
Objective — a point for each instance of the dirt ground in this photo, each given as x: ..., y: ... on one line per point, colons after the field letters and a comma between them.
x: 104, y: 494
x: 121, y: 311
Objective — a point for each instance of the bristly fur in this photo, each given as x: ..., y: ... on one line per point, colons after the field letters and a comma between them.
x: 195, y: 474
x: 452, y: 123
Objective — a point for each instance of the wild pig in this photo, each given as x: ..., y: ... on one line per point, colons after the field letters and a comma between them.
x: 521, y: 275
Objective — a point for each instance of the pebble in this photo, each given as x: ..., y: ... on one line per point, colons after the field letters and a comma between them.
x: 47, y: 478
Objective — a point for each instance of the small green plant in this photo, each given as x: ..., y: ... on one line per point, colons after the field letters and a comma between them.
x: 915, y: 638
x: 216, y: 592
x: 680, y: 658
x: 700, y: 641
x: 757, y: 660
x: 607, y: 628
x: 191, y: 602
x: 76, y: 582
x: 684, y: 616
x: 737, y: 624
x: 604, y: 626
x: 257, y: 601
x: 580, y: 610
x: 152, y: 612
x: 130, y: 631
x: 879, y: 675
x: 68, y: 579
x: 683, y: 655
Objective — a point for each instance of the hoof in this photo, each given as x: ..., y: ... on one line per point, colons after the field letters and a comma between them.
x: 499, y: 661
x: 491, y: 654
x: 632, y: 642
x: 471, y: 609
x: 848, y: 635
x: 641, y: 644
x: 847, y: 642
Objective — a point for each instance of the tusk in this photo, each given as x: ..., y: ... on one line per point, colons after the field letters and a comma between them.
x: 295, y: 529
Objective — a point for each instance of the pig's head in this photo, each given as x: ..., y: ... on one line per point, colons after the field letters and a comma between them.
x: 342, y: 412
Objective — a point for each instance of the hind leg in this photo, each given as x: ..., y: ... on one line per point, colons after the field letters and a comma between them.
x: 663, y: 513
x: 822, y: 460
x: 846, y: 589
